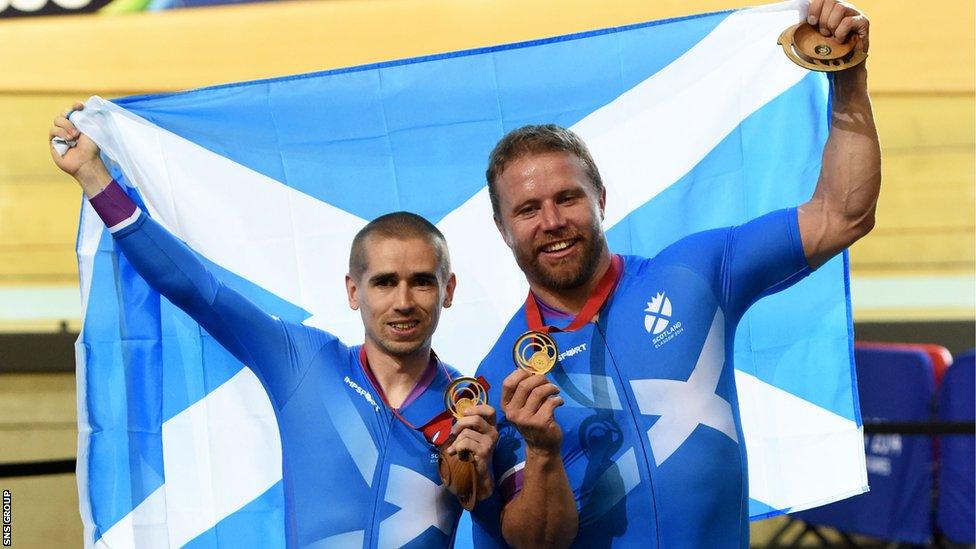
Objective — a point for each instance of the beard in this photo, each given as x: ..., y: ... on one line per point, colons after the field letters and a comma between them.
x: 569, y: 273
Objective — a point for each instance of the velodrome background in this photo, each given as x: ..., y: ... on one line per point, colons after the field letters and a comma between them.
x: 912, y: 278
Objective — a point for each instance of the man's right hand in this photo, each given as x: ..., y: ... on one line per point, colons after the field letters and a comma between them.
x: 543, y: 513
x: 529, y: 402
x: 81, y: 161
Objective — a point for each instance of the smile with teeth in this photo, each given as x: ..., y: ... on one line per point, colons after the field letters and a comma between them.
x: 404, y: 325
x: 558, y: 246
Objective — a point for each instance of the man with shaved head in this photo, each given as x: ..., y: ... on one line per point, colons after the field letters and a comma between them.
x: 351, y: 419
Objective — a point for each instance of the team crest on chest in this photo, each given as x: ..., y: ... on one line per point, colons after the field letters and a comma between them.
x: 659, y: 321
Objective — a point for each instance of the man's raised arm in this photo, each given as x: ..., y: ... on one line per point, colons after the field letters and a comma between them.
x: 843, y: 205
x: 81, y: 161
x: 275, y: 352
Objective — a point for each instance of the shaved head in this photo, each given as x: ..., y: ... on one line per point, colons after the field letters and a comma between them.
x: 402, y: 226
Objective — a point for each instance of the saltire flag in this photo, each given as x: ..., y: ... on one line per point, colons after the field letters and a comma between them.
x: 696, y: 123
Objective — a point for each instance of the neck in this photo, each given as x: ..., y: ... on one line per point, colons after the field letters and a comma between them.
x: 573, y: 299
x: 396, y: 375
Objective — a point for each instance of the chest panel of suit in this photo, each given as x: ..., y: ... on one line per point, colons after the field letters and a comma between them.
x: 648, y: 403
x: 357, y: 474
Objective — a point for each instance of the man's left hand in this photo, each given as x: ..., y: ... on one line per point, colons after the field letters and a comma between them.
x: 476, y: 434
x: 839, y: 19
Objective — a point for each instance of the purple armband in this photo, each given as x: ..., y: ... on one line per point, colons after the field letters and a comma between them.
x: 116, y: 209
x: 510, y: 483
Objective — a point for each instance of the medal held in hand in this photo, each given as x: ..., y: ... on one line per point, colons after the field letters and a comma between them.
x: 464, y: 393
x: 458, y: 471
x: 806, y: 47
x: 535, y: 352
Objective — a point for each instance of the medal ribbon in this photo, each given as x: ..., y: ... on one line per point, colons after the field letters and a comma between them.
x: 438, y: 429
x: 591, y: 307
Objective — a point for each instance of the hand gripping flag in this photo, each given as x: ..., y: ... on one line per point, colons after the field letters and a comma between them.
x: 696, y: 123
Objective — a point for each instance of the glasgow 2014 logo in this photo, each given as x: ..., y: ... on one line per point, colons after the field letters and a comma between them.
x: 659, y: 322
x: 658, y: 314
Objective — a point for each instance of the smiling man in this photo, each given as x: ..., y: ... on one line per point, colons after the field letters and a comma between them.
x: 647, y: 450
x: 357, y: 471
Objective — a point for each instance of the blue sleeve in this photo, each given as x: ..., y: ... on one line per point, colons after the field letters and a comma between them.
x: 762, y: 257
x: 746, y: 262
x: 278, y: 352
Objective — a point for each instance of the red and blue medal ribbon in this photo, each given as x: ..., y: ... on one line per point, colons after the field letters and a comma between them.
x: 592, y: 306
x: 437, y: 431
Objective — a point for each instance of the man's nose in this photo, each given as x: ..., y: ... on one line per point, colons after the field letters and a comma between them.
x: 404, y: 297
x: 552, y: 218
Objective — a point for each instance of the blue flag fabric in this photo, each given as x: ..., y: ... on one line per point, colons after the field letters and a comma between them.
x: 696, y: 123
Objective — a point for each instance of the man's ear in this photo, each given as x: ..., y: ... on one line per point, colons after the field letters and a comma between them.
x: 603, y: 203
x: 449, y: 290
x: 352, y: 293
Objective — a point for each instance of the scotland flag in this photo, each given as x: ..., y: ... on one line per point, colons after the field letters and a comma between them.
x: 696, y: 123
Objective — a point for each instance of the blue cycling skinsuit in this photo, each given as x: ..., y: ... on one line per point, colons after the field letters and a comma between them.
x: 354, y: 474
x: 651, y: 430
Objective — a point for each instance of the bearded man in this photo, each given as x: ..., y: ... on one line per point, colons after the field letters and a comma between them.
x: 604, y: 472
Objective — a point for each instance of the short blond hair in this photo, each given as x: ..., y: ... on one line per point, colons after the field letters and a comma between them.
x: 536, y: 139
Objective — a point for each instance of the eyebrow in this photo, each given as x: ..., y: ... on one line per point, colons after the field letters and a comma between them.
x: 381, y: 277
x: 525, y: 203
x: 572, y: 192
x: 425, y: 276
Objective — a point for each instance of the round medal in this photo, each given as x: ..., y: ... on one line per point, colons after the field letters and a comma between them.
x: 535, y: 352
x: 806, y: 47
x: 464, y: 393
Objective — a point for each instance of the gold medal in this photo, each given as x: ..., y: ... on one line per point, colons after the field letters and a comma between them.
x: 806, y: 47
x: 464, y: 393
x: 535, y: 352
